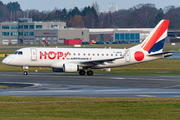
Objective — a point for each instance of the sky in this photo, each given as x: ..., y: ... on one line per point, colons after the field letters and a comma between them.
x: 45, y: 5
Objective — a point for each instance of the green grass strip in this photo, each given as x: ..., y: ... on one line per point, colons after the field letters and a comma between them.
x: 46, y: 108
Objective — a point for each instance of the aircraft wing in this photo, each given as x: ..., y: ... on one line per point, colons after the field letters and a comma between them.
x: 101, y: 61
x: 96, y: 62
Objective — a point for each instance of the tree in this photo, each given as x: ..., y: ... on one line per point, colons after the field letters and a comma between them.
x: 74, y: 12
x: 76, y: 21
x: 13, y: 6
x: 159, y: 16
x: 4, y: 13
x: 173, y: 15
x: 122, y: 18
x: 64, y: 14
x: 144, y: 15
x: 96, y: 7
x: 90, y: 17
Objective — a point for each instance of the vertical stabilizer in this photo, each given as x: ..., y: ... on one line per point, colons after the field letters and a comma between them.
x: 155, y: 40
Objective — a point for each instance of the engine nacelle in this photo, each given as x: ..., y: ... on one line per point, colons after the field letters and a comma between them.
x: 70, y: 67
x: 57, y: 70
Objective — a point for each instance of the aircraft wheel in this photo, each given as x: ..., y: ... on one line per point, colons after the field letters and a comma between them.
x: 90, y: 73
x: 81, y: 72
x: 25, y: 73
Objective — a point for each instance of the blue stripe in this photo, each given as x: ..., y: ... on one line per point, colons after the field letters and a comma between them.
x: 157, y: 46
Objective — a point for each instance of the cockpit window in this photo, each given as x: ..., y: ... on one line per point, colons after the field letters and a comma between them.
x: 16, y: 52
x: 20, y: 53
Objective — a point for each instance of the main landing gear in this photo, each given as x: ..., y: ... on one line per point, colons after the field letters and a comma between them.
x: 25, y: 70
x: 89, y: 73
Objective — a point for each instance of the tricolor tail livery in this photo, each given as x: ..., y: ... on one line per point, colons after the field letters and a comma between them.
x: 86, y: 59
x: 155, y: 41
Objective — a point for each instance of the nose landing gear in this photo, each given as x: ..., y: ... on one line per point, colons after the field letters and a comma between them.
x: 25, y: 70
x: 25, y: 73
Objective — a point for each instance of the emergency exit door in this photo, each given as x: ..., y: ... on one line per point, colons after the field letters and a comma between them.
x: 33, y: 54
x: 128, y: 56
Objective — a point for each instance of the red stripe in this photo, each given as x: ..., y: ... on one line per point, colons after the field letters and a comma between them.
x: 157, y: 34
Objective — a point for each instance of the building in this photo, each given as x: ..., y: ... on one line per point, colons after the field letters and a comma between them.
x: 26, y: 31
x: 111, y: 8
x: 174, y: 35
x: 133, y: 35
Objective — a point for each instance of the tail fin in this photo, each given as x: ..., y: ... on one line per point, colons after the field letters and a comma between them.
x: 155, y: 40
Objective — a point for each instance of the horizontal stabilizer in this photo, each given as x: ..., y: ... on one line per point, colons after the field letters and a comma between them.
x: 166, y: 54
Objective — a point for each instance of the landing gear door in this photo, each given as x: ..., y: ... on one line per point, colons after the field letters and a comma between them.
x: 33, y: 54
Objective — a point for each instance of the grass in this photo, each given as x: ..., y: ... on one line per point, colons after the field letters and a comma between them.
x: 38, y: 108
x: 7, y: 87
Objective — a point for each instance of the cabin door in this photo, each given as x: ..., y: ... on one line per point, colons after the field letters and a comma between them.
x: 33, y: 54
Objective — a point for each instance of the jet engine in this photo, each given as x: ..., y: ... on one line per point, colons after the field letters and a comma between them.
x: 70, y: 67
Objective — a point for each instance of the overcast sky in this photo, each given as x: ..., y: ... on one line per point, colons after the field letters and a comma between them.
x: 103, y: 4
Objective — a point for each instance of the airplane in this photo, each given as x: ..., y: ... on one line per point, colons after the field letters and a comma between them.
x: 86, y: 59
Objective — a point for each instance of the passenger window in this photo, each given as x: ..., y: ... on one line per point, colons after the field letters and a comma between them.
x: 61, y: 54
x: 74, y: 54
x: 97, y: 54
x: 106, y: 54
x: 111, y: 54
x: 89, y: 54
x: 84, y: 54
x: 20, y: 53
x: 69, y: 54
x: 93, y: 54
x: 79, y: 54
x: 102, y: 54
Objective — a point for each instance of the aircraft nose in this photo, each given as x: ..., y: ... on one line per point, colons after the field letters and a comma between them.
x: 5, y: 61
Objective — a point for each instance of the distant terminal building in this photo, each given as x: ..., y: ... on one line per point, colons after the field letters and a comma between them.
x: 133, y: 35
x: 174, y: 36
x: 27, y: 31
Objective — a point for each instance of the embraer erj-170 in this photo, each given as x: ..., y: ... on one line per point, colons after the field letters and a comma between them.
x: 85, y: 59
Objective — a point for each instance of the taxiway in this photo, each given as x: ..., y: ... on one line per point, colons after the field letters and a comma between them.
x: 73, y: 85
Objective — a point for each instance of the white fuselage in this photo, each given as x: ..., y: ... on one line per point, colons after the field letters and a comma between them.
x: 56, y: 57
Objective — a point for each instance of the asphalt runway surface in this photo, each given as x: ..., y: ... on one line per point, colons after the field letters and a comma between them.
x: 73, y: 85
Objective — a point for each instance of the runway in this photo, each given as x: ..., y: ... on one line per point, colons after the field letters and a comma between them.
x: 73, y: 85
